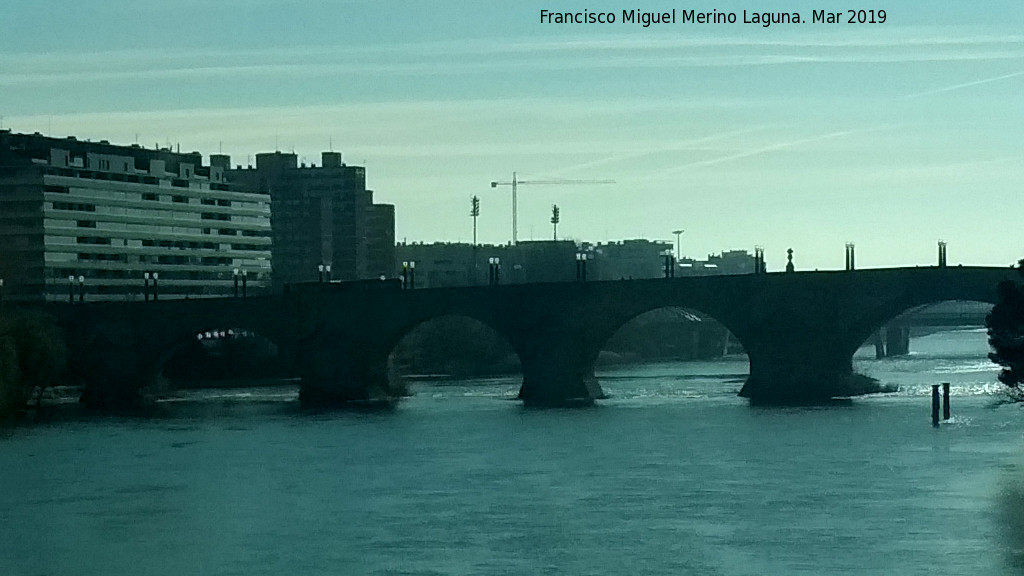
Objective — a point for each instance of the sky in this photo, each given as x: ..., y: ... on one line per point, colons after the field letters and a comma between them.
x: 805, y: 136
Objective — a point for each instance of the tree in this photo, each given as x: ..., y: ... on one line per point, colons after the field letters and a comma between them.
x: 32, y: 358
x: 11, y: 393
x: 1006, y: 333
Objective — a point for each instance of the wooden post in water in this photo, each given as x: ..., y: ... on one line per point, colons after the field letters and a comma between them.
x: 935, y: 405
x: 945, y: 400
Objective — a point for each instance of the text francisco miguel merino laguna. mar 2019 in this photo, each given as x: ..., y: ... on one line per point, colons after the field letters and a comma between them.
x: 764, y: 19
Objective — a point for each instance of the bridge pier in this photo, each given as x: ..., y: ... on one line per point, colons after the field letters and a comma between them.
x: 897, y: 340
x: 558, y: 371
x: 106, y: 360
x: 333, y: 378
x: 800, y: 371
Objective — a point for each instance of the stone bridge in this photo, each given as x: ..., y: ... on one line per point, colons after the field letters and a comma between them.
x: 799, y: 329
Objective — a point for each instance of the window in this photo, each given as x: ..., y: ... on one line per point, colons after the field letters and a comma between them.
x: 103, y: 257
x: 86, y: 224
x: 150, y: 196
x: 55, y: 189
x: 181, y: 199
x: 224, y: 203
x: 209, y: 202
x: 73, y: 206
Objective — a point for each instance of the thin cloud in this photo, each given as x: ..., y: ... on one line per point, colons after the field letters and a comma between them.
x: 459, y: 57
x: 965, y: 85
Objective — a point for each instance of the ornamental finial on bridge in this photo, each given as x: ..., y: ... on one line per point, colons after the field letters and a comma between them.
x: 789, y: 262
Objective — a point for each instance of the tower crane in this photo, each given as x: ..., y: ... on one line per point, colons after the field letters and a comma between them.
x: 515, y: 183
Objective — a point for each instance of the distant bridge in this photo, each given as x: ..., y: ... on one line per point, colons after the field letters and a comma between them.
x: 800, y: 330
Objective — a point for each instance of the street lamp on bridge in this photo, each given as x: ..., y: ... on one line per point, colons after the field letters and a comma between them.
x: 494, y: 270
x: 408, y: 274
x: 581, y: 266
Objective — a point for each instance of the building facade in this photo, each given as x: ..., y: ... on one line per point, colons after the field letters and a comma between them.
x: 447, y: 264
x: 323, y: 217
x: 726, y: 263
x: 106, y: 222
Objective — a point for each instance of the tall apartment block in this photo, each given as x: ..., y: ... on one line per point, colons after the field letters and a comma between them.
x: 107, y: 216
x: 323, y: 216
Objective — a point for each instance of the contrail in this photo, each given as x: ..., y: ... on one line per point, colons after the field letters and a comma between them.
x: 759, y: 151
x: 964, y: 85
x: 829, y: 136
x: 652, y: 151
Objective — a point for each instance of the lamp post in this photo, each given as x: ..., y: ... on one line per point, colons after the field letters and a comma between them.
x: 412, y: 274
x: 475, y: 213
x: 81, y: 289
x: 245, y: 274
x: 493, y: 270
x: 145, y: 287
x: 405, y: 274
x: 71, y: 289
x: 236, y: 282
x: 156, y: 289
x: 327, y: 268
x: 1, y: 295
x: 759, y: 265
x: 320, y: 270
x: 581, y: 267
x: 678, y: 233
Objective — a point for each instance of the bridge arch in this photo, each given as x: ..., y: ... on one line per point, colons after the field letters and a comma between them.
x: 220, y: 355
x: 343, y: 361
x: 679, y: 335
x: 879, y: 318
x: 456, y: 344
x: 667, y: 320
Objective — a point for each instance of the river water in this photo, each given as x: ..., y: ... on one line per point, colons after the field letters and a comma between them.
x: 673, y: 475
